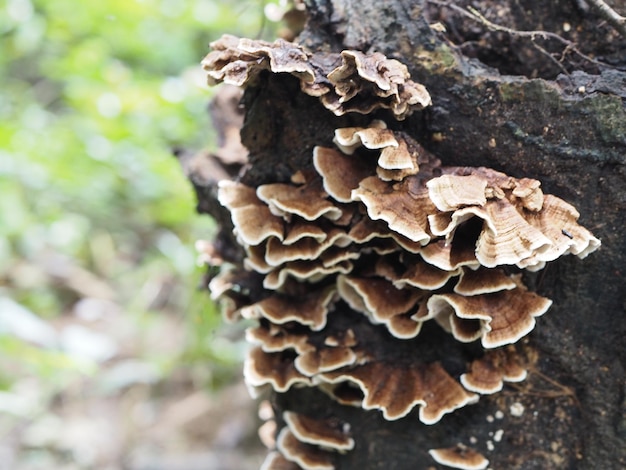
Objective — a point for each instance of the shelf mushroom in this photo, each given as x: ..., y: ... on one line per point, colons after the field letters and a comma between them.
x: 377, y: 82
x: 377, y: 228
x: 460, y: 457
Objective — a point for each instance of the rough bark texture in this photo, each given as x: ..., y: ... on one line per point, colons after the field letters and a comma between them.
x: 566, y: 130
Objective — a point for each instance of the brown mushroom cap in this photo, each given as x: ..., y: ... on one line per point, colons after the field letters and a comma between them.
x: 449, y: 256
x: 238, y: 61
x: 367, y: 229
x: 252, y: 219
x: 275, y: 461
x: 232, y: 195
x: 255, y: 259
x: 309, y: 457
x: 275, y: 369
x: 255, y: 223
x: 397, y: 388
x: 521, y: 225
x: 483, y: 281
x: 337, y: 79
x: 529, y: 192
x: 502, y: 317
x: 451, y: 192
x: 337, y: 351
x: 379, y: 82
x: 340, y: 173
x: 507, y: 238
x: 381, y: 302
x: 313, y: 360
x: 277, y: 252
x: 299, y: 230
x: 326, y: 433
x: 310, y: 309
x: 487, y: 374
x: 334, y: 353
x: 395, y: 164
x: 405, y: 206
x: 376, y: 136
x: 413, y: 272
x: 558, y: 221
x: 307, y: 201
x: 310, y: 271
x: 275, y: 338
x: 460, y: 457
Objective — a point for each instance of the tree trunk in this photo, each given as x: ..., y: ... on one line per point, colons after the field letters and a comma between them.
x: 536, y: 111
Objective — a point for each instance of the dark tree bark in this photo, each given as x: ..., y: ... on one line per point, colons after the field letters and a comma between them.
x: 529, y: 106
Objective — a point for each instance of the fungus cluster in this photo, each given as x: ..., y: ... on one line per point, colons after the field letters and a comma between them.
x: 347, y: 82
x: 306, y: 442
x: 377, y: 232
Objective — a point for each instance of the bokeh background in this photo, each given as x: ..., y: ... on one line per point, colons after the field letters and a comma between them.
x: 111, y: 353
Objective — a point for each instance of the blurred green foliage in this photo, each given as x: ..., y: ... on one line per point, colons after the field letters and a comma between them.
x: 93, y: 97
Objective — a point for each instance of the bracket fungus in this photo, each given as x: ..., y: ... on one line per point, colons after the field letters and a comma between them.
x: 487, y: 374
x: 347, y: 82
x: 378, y: 229
x: 307, y: 456
x: 308, y: 443
x: 275, y: 461
x: 396, y: 389
x: 460, y: 457
x: 329, y: 433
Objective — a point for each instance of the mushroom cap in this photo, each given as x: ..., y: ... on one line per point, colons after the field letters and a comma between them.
x: 507, y: 238
x: 521, y: 225
x: 451, y: 192
x: 275, y: 369
x: 336, y: 351
x: 413, y: 272
x: 310, y: 309
x: 498, y: 318
x: 483, y: 281
x: 395, y: 164
x: 529, y: 192
x: 460, y: 457
x: 232, y: 195
x: 326, y: 433
x: 309, y: 457
x: 238, y: 61
x: 377, y: 136
x: 380, y: 301
x: 255, y: 223
x: 324, y: 359
x: 308, y: 201
x: 557, y: 220
x: 450, y: 256
x: 275, y: 338
x: 278, y: 253
x: 340, y: 173
x: 378, y: 81
x: 299, y: 230
x: 398, y: 157
x: 487, y: 374
x: 303, y: 270
x: 375, y: 68
x: 255, y: 259
x: 275, y: 461
x: 375, y: 81
x: 405, y: 206
x: 397, y: 388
